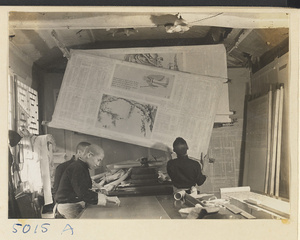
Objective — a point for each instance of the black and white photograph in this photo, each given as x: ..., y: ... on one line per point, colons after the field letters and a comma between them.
x: 179, y: 118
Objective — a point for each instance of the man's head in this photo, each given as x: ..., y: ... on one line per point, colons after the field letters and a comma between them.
x: 180, y: 146
x: 80, y: 148
x: 93, y: 156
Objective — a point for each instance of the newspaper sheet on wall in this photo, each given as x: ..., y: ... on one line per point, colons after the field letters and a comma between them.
x: 199, y: 59
x: 137, y: 104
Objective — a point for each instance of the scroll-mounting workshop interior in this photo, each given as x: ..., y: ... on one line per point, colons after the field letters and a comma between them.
x: 133, y: 82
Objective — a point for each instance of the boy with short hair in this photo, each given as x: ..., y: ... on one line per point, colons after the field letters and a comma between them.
x: 74, y: 190
x: 62, y: 167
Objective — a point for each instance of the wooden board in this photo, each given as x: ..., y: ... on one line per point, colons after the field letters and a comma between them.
x: 274, y: 141
x: 276, y: 73
x: 269, y: 134
x: 256, y: 149
x: 278, y: 156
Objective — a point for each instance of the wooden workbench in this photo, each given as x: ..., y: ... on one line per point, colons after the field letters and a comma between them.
x: 135, y: 207
x: 161, y: 207
x: 145, y: 207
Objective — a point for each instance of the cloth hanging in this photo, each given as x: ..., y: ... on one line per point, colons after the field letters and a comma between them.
x: 43, y: 149
x: 14, y: 138
x: 13, y: 208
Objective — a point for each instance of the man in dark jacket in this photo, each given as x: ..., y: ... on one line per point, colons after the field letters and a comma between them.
x: 62, y: 167
x: 74, y: 190
x: 184, y: 172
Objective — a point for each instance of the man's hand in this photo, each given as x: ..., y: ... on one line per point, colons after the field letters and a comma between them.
x: 204, y: 160
x: 114, y: 200
x: 96, y: 185
x: 109, y: 187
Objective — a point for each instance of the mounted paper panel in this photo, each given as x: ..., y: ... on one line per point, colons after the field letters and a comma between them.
x: 257, y: 143
x: 202, y: 59
x: 138, y: 104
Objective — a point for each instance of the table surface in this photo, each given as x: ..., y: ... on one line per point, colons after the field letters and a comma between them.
x: 131, y: 207
x: 146, y: 207
x: 160, y: 207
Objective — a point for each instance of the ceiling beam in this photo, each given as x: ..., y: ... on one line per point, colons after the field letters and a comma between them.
x: 61, y: 45
x: 239, y: 20
x: 243, y: 34
x: 57, y: 21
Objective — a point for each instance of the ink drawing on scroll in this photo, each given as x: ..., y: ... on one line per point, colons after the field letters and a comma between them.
x: 127, y: 116
x: 162, y: 60
x: 143, y: 81
x: 137, y: 104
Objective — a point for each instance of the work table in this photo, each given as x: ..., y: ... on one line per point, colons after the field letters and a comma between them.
x: 160, y: 207
x: 135, y: 207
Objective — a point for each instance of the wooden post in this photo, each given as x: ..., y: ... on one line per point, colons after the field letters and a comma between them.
x: 274, y: 142
x: 278, y: 156
x: 16, y: 105
x: 269, y: 140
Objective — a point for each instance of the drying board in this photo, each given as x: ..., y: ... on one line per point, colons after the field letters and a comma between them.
x: 199, y: 59
x: 256, y: 147
x: 137, y: 104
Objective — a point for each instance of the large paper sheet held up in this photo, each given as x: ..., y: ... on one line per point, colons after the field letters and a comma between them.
x: 138, y: 104
x: 199, y: 59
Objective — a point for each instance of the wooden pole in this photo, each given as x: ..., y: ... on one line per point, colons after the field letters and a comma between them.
x: 274, y: 142
x: 269, y: 136
x: 278, y: 156
x: 16, y: 105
